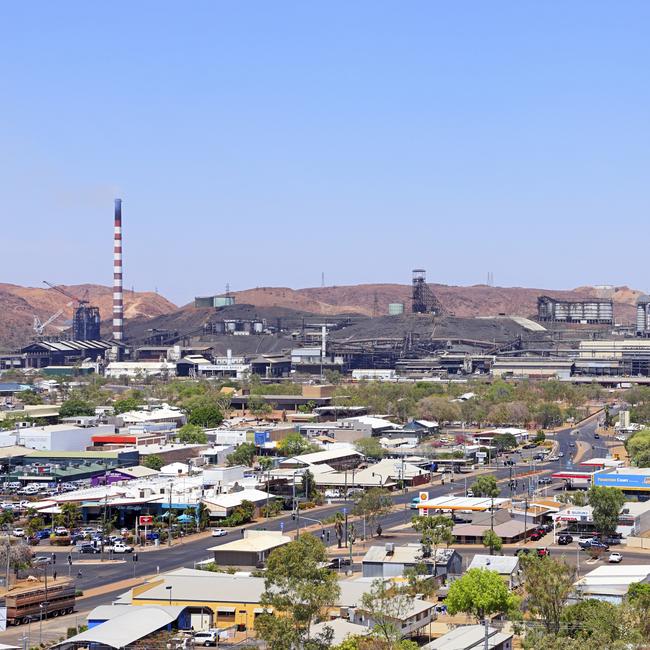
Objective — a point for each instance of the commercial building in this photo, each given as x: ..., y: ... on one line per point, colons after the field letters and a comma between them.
x: 137, y: 369
x: 632, y: 480
x: 59, y: 437
x: 610, y: 582
x: 251, y: 551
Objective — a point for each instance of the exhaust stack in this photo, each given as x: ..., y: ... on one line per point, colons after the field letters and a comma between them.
x: 118, y: 294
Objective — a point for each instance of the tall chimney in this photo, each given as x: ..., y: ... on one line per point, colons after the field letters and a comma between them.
x: 118, y: 295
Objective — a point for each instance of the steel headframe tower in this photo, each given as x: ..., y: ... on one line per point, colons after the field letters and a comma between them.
x: 118, y: 294
x: 423, y: 299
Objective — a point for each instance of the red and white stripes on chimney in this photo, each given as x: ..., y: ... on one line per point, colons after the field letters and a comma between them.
x: 118, y: 295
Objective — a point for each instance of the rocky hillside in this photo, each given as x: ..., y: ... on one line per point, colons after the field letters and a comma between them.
x: 19, y: 305
x: 477, y: 300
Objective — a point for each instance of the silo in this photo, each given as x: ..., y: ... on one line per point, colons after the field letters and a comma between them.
x: 395, y: 308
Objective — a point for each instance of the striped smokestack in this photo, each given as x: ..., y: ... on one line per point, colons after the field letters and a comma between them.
x: 118, y: 295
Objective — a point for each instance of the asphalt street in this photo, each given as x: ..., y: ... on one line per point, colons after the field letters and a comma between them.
x: 187, y: 553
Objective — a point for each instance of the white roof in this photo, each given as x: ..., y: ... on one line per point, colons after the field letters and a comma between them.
x: 430, y: 424
x: 502, y: 564
x: 372, y: 421
x: 460, y: 503
x: 324, y: 456
x: 235, y: 498
x: 175, y: 468
x: 341, y: 628
x: 134, y: 624
x: 467, y: 637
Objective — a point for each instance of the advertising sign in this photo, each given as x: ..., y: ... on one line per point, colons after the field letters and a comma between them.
x: 145, y: 520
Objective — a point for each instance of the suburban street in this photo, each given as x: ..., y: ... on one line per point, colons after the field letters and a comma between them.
x: 102, y: 582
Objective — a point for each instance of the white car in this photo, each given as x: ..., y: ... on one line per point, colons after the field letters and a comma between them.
x: 206, y: 638
x: 332, y: 494
x: 615, y: 558
x: 62, y: 531
x: 18, y: 532
x: 219, y: 532
x: 120, y: 547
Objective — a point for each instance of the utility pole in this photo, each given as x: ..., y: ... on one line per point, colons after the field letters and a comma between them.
x: 169, y: 518
x: 526, y: 519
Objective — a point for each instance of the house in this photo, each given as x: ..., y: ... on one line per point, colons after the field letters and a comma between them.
x: 417, y: 615
x: 471, y: 637
x: 341, y: 630
x: 340, y: 459
x: 610, y: 582
x: 392, y: 561
x: 507, y: 566
x: 252, y: 550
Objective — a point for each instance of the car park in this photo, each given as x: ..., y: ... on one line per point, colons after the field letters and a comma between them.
x: 219, y: 532
x: 615, y: 558
x: 564, y: 538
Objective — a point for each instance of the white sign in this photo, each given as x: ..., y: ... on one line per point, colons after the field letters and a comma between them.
x: 3, y: 619
x: 481, y: 455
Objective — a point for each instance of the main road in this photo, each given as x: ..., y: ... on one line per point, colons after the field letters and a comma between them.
x: 103, y: 575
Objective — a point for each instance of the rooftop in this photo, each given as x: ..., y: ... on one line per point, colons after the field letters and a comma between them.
x: 503, y: 564
x: 255, y: 541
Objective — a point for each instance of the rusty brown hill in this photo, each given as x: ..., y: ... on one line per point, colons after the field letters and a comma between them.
x: 19, y: 305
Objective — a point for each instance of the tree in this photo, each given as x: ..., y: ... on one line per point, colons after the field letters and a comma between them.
x: 29, y: 397
x: 203, y: 411
x: 294, y: 444
x: 480, y: 593
x: 386, y: 607
x: 74, y: 407
x: 638, y: 599
x: 243, y: 455
x: 548, y: 583
x: 6, y: 519
x: 438, y: 409
x: 297, y: 587
x: 540, y: 437
x: 258, y: 406
x: 153, y: 461
x: 492, y: 541
x: 606, y: 504
x: 434, y: 531
x: 192, y: 434
x: 486, y: 486
x: 504, y: 441
x: 548, y: 415
x: 370, y: 448
x: 597, y: 621
x: 338, y: 527
x: 309, y: 485
x: 71, y: 514
x: 125, y: 405
x: 34, y: 524
x: 372, y: 505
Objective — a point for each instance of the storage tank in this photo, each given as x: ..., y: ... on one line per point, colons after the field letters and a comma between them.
x: 395, y: 308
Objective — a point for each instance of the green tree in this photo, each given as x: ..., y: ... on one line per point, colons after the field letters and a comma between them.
x: 548, y: 415
x: 258, y: 406
x: 153, y: 461
x: 370, y: 448
x: 75, y: 407
x: 504, y: 441
x: 486, y: 486
x: 492, y: 541
x: 203, y: 411
x: 29, y: 397
x: 6, y: 519
x: 192, y: 434
x: 386, y: 607
x: 71, y: 514
x: 125, y: 404
x: 548, y: 583
x: 638, y: 600
x: 480, y: 593
x: 34, y: 524
x: 309, y: 485
x: 297, y: 588
x: 434, y: 531
x: 595, y: 620
x: 295, y: 444
x: 372, y: 505
x: 540, y: 437
x: 243, y: 455
x: 338, y: 527
x: 606, y: 504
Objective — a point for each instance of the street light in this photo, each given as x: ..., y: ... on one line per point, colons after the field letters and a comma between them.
x: 42, y: 606
x: 169, y: 589
x: 380, y: 476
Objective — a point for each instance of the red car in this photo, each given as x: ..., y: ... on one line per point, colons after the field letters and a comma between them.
x: 535, y: 536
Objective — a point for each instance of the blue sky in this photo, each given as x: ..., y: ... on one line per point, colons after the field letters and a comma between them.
x: 262, y: 143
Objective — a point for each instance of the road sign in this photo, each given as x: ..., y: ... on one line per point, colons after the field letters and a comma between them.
x: 480, y: 455
x: 145, y: 520
x: 282, y: 525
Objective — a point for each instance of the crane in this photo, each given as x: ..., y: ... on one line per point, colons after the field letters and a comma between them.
x: 67, y: 294
x: 39, y: 327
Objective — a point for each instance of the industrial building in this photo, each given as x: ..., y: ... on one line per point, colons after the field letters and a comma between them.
x: 63, y: 353
x: 214, y: 301
x: 643, y: 316
x: 594, y: 311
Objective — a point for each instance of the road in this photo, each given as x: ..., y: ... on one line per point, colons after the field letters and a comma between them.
x: 188, y: 552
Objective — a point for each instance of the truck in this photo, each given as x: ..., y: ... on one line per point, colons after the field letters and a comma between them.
x: 24, y: 602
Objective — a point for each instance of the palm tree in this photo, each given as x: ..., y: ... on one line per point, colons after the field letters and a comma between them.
x: 338, y: 527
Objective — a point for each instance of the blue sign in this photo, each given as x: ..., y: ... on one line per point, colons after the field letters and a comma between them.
x: 640, y: 481
x: 282, y: 525
x: 262, y: 437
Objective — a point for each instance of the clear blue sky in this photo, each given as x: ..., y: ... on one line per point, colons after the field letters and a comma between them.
x: 261, y: 143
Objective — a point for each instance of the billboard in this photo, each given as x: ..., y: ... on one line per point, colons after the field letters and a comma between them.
x: 262, y: 437
x: 640, y: 481
x: 145, y: 520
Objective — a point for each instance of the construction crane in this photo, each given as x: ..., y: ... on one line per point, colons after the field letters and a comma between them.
x: 80, y: 301
x: 39, y: 327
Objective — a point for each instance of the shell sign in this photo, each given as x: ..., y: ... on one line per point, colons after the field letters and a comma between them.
x: 424, y: 496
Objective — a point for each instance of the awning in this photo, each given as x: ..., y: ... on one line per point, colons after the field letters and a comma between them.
x: 262, y: 610
x: 225, y: 610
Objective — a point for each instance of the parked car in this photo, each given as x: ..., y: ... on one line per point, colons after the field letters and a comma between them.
x: 219, y: 532
x: 152, y: 536
x: 338, y: 562
x: 44, y: 534
x: 470, y: 493
x: 564, y: 538
x: 41, y: 560
x: 572, y: 444
x: 61, y: 531
x: 206, y: 638
x: 509, y: 462
x: 597, y: 436
x: 18, y: 532
x: 593, y: 543
x: 615, y: 558
x: 561, y: 454
x: 89, y: 548
x: 523, y: 551
x: 536, y: 535
x: 545, y: 480
x: 542, y: 551
x: 545, y: 528
x: 332, y: 494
